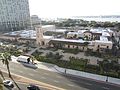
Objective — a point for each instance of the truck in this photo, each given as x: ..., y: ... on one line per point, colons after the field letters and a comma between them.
x: 24, y: 59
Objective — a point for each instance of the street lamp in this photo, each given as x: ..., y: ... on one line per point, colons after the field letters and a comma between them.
x: 65, y: 66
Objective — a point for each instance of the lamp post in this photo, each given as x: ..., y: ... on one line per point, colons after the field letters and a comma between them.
x: 65, y: 66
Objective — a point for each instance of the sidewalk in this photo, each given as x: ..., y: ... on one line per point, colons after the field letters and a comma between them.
x: 29, y: 53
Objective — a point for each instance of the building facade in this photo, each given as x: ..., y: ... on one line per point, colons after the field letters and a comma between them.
x: 42, y: 40
x: 35, y: 20
x: 99, y: 43
x: 14, y: 14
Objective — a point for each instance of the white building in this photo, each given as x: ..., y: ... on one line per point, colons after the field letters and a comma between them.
x: 14, y: 14
x: 48, y: 28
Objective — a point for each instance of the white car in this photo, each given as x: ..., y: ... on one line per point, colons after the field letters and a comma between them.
x: 8, y: 83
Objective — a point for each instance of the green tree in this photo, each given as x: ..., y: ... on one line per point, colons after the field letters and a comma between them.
x: 2, y: 75
x: 1, y: 84
x: 100, y: 63
x: 104, y: 66
x: 85, y: 64
x: 6, y: 57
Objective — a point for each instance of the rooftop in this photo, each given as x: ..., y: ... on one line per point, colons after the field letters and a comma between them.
x: 102, y: 38
x: 70, y: 40
x: 48, y: 37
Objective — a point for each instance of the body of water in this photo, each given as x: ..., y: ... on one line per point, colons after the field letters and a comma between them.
x: 100, y: 19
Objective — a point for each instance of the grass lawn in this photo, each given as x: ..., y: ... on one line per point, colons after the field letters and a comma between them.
x: 73, y: 51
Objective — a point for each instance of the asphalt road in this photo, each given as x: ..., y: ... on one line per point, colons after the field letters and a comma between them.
x: 22, y: 86
x: 59, y: 80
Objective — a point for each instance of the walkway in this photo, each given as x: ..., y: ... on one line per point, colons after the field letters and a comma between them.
x: 32, y: 51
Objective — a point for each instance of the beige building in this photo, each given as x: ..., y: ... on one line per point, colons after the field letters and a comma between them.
x: 72, y: 35
x: 100, y: 44
x: 67, y: 43
x: 88, y: 35
x: 41, y: 40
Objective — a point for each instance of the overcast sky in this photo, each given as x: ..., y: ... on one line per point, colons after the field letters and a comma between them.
x: 67, y: 8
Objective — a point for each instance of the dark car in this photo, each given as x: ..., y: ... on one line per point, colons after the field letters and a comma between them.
x: 33, y: 87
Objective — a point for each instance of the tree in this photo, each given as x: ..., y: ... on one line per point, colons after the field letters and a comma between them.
x: 85, y: 64
x: 1, y: 84
x: 100, y: 66
x: 115, y: 66
x: 6, y: 57
x: 2, y: 75
x: 104, y: 66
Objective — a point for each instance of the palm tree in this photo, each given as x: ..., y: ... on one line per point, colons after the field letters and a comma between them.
x: 6, y: 57
x: 1, y: 84
x: 2, y: 75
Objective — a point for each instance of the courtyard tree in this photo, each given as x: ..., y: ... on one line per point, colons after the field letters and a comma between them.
x: 104, y: 66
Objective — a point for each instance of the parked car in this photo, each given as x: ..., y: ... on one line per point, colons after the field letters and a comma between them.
x: 33, y: 87
x: 8, y: 83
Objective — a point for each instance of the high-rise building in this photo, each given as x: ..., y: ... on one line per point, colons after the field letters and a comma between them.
x: 35, y: 20
x: 14, y: 14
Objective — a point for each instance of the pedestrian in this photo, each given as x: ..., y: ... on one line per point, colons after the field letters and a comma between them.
x: 65, y: 71
x: 107, y: 79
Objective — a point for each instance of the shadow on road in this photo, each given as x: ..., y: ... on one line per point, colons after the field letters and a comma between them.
x: 89, y: 83
x: 32, y: 66
x: 16, y: 83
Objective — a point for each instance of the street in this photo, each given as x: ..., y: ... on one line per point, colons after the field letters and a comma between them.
x: 62, y: 81
x: 23, y: 86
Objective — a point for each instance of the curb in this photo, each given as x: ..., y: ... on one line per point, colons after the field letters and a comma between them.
x: 87, y: 78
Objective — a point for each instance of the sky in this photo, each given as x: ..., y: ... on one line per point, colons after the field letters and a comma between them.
x: 69, y: 8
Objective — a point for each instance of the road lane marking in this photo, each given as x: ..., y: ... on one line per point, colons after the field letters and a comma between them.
x: 35, y: 71
x: 25, y: 68
x: 21, y: 71
x: 48, y: 88
x: 81, y: 82
x: 31, y: 74
x: 55, y: 81
x: 28, y: 80
x: 42, y: 77
x: 46, y: 73
x: 58, y: 77
x: 70, y: 85
x: 88, y: 84
x: 106, y: 88
x: 12, y: 69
